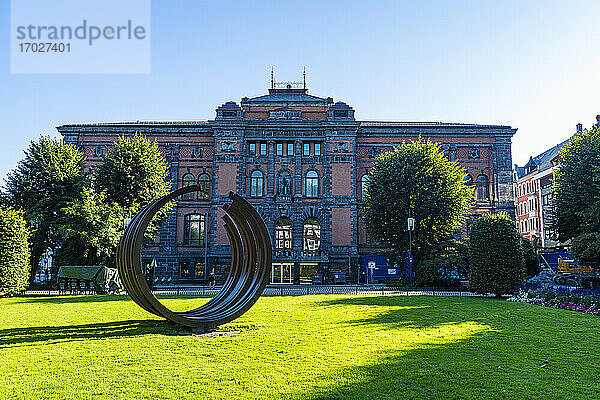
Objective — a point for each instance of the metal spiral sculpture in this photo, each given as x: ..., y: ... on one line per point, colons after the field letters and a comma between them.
x: 250, y: 264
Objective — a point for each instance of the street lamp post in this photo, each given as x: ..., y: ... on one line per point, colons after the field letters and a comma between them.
x: 205, y: 245
x: 411, y: 227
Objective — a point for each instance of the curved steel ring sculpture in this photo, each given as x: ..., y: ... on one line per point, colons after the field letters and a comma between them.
x: 250, y: 264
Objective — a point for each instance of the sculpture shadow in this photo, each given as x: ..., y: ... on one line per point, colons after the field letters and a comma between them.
x: 17, y: 337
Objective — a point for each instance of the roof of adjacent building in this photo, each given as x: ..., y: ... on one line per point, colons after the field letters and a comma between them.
x: 541, y: 162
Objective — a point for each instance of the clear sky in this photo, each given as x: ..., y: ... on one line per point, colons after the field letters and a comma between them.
x: 533, y: 65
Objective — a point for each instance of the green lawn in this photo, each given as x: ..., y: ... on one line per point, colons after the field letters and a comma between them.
x: 317, y: 347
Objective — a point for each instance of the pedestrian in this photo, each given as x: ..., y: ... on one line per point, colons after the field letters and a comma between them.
x: 211, y: 278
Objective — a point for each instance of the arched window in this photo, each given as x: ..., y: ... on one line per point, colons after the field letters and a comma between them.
x: 311, y: 234
x: 256, y: 184
x: 204, y: 183
x: 284, y: 183
x: 283, y: 234
x: 483, y: 188
x: 311, y: 184
x: 364, y: 185
x: 188, y: 180
x: 193, y: 229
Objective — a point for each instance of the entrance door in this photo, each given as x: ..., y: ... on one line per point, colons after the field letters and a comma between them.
x: 281, y: 273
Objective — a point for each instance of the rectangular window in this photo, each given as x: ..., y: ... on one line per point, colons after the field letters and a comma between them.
x: 252, y: 148
x: 290, y: 149
x: 306, y: 151
x: 184, y: 270
x: 199, y: 267
x: 263, y: 149
x: 317, y: 149
x: 193, y: 227
x: 279, y: 149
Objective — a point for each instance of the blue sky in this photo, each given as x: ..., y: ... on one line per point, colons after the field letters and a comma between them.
x: 530, y: 64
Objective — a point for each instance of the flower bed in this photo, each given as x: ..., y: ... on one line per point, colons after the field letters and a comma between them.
x: 581, y: 300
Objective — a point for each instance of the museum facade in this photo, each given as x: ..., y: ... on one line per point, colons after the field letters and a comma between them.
x: 302, y: 161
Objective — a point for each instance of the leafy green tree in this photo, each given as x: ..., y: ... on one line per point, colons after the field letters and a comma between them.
x: 133, y: 173
x: 532, y: 264
x: 44, y: 182
x: 91, y: 230
x: 416, y: 176
x: 14, y: 252
x: 577, y: 195
x: 495, y: 255
x: 586, y: 248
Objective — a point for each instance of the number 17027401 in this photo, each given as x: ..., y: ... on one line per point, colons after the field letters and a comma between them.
x: 45, y: 47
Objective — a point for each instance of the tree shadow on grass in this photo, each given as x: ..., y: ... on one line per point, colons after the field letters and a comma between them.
x: 478, y: 366
x: 391, y: 312
x: 454, y: 348
x: 35, y: 335
x: 93, y: 298
x: 68, y: 299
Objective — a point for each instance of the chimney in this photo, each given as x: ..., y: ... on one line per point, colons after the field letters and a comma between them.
x: 580, y: 126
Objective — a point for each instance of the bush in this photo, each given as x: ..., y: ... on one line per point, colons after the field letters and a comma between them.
x: 444, y: 265
x: 14, y: 252
x: 495, y: 255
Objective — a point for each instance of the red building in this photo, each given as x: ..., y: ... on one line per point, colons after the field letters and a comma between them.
x: 301, y: 160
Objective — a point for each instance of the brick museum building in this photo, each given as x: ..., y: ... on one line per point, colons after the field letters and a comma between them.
x: 302, y: 161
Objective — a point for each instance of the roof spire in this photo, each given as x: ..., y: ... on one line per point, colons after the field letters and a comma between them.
x: 272, y: 78
x: 304, y: 77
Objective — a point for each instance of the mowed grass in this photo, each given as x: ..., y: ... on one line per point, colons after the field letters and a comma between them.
x: 314, y: 347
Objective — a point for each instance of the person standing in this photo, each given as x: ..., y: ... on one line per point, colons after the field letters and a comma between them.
x: 211, y: 278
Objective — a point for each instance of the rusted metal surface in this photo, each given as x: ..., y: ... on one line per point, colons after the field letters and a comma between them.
x: 250, y: 264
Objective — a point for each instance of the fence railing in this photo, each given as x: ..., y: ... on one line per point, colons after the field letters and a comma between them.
x: 283, y: 290
x: 305, y: 290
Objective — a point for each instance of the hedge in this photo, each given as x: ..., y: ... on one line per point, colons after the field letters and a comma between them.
x: 14, y: 252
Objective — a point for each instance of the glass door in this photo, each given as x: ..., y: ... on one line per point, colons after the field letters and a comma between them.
x: 282, y: 273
